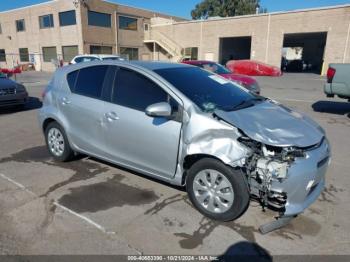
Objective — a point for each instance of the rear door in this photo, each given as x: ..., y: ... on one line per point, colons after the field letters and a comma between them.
x: 83, y: 108
x: 135, y: 139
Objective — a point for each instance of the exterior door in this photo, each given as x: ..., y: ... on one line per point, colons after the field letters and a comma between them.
x: 135, y: 139
x: 83, y: 108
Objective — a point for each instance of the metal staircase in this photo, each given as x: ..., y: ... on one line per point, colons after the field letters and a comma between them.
x: 174, y: 50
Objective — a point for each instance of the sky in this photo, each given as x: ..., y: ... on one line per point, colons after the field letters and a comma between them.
x: 183, y: 8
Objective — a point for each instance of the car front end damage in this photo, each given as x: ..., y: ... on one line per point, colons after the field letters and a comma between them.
x: 286, y: 178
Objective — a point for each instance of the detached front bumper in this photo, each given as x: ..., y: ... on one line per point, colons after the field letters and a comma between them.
x: 305, y: 181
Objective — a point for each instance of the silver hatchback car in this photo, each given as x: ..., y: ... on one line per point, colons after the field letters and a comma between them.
x: 189, y: 127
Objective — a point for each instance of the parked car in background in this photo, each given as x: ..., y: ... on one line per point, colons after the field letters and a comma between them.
x: 338, y: 81
x: 11, y: 93
x: 248, y: 82
x: 89, y: 58
x: 253, y: 68
x: 189, y: 127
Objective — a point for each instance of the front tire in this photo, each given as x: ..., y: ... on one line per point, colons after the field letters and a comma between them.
x: 57, y: 143
x: 217, y: 190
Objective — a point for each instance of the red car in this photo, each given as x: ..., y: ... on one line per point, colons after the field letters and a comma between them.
x: 253, y: 68
x: 248, y: 82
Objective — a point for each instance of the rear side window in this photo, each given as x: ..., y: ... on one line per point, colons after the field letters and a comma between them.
x: 135, y: 91
x: 89, y: 81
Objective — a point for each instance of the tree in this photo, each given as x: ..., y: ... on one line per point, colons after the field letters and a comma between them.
x: 225, y: 8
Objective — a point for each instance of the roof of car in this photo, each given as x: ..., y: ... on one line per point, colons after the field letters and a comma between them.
x: 155, y: 65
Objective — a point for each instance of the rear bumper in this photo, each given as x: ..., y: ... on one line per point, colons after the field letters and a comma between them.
x: 13, y: 100
x: 305, y: 181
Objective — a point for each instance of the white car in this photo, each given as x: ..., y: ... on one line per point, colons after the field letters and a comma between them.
x: 88, y: 58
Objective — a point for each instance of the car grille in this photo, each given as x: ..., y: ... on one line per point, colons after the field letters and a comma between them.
x: 7, y: 91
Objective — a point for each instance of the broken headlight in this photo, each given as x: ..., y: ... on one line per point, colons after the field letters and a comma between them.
x: 290, y: 153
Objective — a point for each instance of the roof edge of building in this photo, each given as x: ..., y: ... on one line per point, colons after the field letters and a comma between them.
x: 259, y: 15
x: 147, y: 10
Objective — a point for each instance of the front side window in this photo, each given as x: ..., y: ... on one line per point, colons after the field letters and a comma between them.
x: 207, y: 90
x: 101, y: 50
x: 127, y: 23
x: 24, y: 55
x: 46, y: 21
x: 67, y: 18
x: 2, y: 55
x: 20, y: 25
x: 99, y: 19
x: 129, y: 53
x: 49, y: 53
x: 69, y: 52
x: 136, y: 91
x: 90, y: 81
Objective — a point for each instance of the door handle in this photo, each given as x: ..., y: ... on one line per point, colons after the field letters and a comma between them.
x: 65, y: 101
x: 111, y: 116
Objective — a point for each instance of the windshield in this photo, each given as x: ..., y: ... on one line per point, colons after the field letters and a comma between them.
x: 215, y: 68
x: 208, y: 91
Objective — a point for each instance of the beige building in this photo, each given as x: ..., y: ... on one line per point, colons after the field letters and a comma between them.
x: 60, y: 29
x: 322, y: 34
x: 45, y: 33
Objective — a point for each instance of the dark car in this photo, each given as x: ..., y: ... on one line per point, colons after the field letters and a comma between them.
x: 11, y: 93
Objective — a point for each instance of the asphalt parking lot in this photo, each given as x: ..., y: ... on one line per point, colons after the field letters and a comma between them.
x: 91, y: 207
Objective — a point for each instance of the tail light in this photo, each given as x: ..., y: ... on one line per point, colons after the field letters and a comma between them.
x: 330, y: 74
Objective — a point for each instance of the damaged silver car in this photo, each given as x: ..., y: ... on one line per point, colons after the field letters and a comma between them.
x: 189, y: 127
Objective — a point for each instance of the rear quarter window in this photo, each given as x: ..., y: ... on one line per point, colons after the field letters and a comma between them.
x: 71, y: 79
x: 88, y: 81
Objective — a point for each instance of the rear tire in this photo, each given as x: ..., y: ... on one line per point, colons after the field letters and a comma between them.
x: 217, y: 190
x: 57, y: 143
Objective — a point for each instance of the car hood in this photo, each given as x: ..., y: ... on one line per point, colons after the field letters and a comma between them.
x: 274, y: 125
x: 241, y: 78
x: 7, y: 83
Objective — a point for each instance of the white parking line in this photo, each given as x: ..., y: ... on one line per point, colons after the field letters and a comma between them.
x: 86, y: 219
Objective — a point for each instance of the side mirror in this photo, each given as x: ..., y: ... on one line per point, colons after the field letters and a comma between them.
x: 162, y: 109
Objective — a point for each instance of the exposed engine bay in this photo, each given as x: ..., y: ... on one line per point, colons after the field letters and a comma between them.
x: 265, y: 165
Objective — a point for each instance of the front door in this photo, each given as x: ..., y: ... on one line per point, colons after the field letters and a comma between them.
x: 147, y: 143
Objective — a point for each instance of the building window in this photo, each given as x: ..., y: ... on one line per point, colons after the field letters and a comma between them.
x: 146, y: 27
x: 20, y: 25
x: 69, y: 52
x: 46, y: 21
x: 49, y: 53
x: 191, y: 53
x: 101, y: 50
x: 24, y: 55
x: 2, y: 55
x: 99, y: 19
x: 129, y: 53
x: 67, y: 18
x: 127, y: 23
x: 0, y: 29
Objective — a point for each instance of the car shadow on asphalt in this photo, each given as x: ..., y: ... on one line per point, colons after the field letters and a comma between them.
x: 332, y: 107
x: 32, y: 104
x: 245, y: 251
